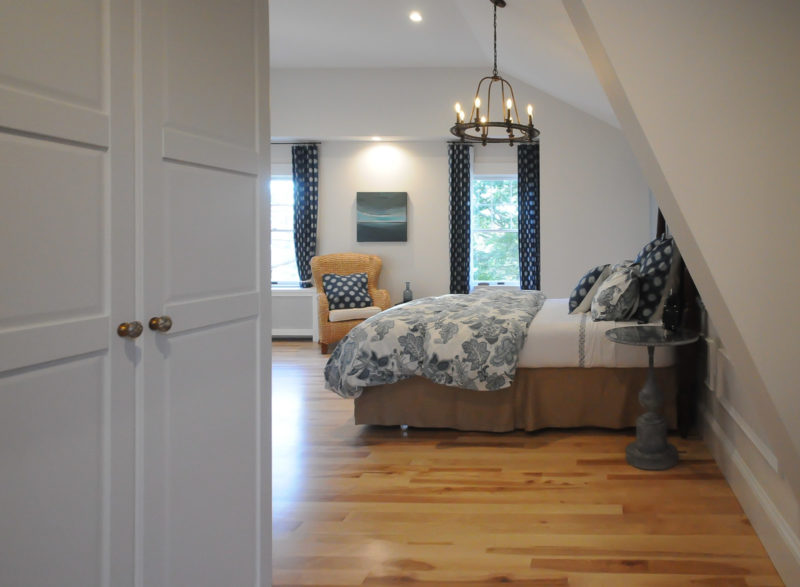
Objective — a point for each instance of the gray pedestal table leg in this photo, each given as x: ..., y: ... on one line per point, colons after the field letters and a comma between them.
x: 651, y: 451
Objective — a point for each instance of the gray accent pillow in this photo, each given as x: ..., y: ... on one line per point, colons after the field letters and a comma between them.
x: 618, y: 296
x: 346, y: 291
x: 580, y: 300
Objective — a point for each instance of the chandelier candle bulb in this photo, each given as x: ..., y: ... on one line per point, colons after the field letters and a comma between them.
x: 508, y: 109
x: 530, y: 114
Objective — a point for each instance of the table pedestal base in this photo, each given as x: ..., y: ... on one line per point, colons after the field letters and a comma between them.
x: 651, y: 451
x: 658, y: 461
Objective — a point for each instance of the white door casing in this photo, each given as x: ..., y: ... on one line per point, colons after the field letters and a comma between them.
x: 201, y: 392
x: 66, y: 281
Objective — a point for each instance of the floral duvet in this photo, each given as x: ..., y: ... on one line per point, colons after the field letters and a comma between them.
x: 469, y: 341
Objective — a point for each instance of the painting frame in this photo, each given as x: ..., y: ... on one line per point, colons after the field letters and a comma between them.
x: 381, y: 217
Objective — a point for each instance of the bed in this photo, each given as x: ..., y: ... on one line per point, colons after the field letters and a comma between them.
x: 562, y: 388
x: 566, y: 374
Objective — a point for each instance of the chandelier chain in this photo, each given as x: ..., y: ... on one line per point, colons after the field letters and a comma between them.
x: 494, y: 71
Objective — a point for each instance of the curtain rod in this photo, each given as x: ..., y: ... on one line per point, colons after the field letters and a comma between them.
x: 295, y: 143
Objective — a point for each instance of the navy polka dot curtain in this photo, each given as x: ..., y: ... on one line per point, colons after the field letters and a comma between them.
x: 305, y: 172
x: 459, y: 217
x: 528, y: 186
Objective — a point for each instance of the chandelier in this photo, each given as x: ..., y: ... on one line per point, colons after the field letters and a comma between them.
x: 507, y: 126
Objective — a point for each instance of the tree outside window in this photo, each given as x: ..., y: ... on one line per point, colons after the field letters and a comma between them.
x: 494, y: 247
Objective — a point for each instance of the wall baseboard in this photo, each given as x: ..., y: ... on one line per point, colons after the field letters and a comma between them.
x: 780, y: 541
x: 292, y: 332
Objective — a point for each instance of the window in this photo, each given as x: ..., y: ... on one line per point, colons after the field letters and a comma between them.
x: 284, y: 266
x: 494, y: 246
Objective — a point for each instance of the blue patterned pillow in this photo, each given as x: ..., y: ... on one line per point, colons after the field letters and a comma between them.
x: 655, y: 260
x: 580, y: 300
x: 346, y: 291
x: 617, y: 297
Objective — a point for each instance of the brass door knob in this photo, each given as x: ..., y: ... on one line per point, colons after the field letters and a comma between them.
x: 130, y: 329
x: 160, y: 323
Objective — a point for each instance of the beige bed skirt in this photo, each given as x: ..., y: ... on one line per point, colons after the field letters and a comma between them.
x: 538, y: 398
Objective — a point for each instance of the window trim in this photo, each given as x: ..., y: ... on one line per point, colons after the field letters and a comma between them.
x: 489, y: 177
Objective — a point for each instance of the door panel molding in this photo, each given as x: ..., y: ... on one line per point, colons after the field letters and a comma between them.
x: 41, y: 115
x: 21, y: 347
x: 56, y: 241
x: 208, y: 232
x: 212, y: 420
x: 57, y: 49
x: 207, y: 89
x: 200, y: 313
x: 52, y: 530
x: 188, y: 147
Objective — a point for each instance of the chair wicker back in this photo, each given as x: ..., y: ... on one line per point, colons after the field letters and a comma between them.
x: 345, y: 264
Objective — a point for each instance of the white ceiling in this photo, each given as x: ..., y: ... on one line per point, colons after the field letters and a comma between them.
x: 536, y: 42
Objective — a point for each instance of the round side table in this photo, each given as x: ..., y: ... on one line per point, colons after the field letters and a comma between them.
x: 651, y: 451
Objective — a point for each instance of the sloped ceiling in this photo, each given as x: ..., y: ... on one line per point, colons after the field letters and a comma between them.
x: 537, y: 43
x: 728, y: 191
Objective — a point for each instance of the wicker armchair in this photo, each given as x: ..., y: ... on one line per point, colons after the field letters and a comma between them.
x: 345, y: 264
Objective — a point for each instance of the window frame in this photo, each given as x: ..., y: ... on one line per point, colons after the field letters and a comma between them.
x: 291, y: 284
x: 473, y: 230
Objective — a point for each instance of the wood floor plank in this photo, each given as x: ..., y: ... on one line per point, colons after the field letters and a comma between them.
x: 359, y: 505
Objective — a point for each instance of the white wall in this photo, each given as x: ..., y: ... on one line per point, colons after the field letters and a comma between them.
x: 595, y: 205
x: 706, y: 93
x: 736, y: 423
x: 575, y: 228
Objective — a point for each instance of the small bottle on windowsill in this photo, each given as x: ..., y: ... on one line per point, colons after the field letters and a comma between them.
x: 408, y: 295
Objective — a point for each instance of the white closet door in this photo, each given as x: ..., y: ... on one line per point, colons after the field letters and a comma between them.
x: 201, y: 430
x: 66, y: 281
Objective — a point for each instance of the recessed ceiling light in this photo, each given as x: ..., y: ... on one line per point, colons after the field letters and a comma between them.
x: 376, y: 138
x: 415, y: 16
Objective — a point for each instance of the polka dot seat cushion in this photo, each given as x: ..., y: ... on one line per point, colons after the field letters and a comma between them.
x: 346, y: 291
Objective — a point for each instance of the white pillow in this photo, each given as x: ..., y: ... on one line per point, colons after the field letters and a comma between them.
x: 618, y: 296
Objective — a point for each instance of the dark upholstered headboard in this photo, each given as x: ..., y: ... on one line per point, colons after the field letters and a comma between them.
x: 689, y: 376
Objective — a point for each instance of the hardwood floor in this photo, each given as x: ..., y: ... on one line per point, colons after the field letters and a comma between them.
x: 355, y: 505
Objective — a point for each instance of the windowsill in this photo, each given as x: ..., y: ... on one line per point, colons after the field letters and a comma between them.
x: 507, y: 284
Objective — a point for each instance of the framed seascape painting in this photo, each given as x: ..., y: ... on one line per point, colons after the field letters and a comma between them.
x: 381, y: 217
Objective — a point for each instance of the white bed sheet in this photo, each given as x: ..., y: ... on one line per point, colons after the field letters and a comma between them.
x: 555, y: 340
